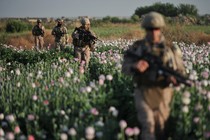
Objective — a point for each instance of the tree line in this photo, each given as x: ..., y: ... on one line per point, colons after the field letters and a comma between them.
x: 168, y: 9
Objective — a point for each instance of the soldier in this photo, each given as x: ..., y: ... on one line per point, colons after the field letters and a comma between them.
x: 38, y: 33
x: 152, y: 93
x: 83, y: 41
x: 61, y: 35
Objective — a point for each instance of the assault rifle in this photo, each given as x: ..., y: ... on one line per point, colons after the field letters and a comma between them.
x: 157, y: 64
x: 87, y: 36
x: 60, y: 33
x: 37, y: 31
x: 42, y: 32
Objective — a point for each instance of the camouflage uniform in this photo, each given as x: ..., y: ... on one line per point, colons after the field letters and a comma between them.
x: 38, y: 33
x: 61, y: 35
x: 152, y: 95
x: 82, y: 48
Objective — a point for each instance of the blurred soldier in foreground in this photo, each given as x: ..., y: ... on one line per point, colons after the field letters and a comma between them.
x: 38, y: 33
x: 61, y: 35
x: 83, y: 41
x: 143, y: 61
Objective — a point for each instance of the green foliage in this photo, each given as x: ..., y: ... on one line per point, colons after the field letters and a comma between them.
x: 30, y: 57
x: 114, y: 30
x: 187, y: 9
x: 108, y: 48
x: 115, y: 20
x: 55, y: 97
x: 96, y: 23
x: 47, y: 95
x: 13, y: 26
x: 168, y: 9
x: 135, y: 18
x: 3, y: 38
x: 204, y: 20
x: 109, y: 19
x: 106, y: 19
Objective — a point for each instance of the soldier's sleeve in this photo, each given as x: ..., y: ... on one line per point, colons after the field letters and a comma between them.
x: 178, y: 59
x: 72, y: 34
x: 128, y: 62
x: 66, y: 35
x: 53, y: 31
x: 43, y: 31
x: 43, y: 28
x: 75, y: 34
x: 33, y: 30
x: 65, y: 31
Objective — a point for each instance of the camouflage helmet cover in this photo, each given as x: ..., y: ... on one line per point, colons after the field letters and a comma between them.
x: 153, y: 20
x: 39, y: 21
x: 59, y: 20
x: 85, y: 21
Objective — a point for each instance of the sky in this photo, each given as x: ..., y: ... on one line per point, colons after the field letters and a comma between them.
x: 91, y: 8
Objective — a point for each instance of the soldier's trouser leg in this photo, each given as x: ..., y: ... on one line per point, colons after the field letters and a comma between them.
x: 165, y: 105
x: 87, y: 57
x: 163, y: 112
x: 78, y: 54
x: 57, y: 46
x: 36, y: 40
x: 62, y: 46
x: 41, y: 42
x: 145, y: 116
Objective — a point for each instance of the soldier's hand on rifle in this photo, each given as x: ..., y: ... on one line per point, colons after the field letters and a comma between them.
x: 142, y: 65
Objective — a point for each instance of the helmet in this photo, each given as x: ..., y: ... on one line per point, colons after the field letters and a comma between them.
x: 39, y: 21
x: 153, y: 20
x: 59, y: 20
x: 84, y: 21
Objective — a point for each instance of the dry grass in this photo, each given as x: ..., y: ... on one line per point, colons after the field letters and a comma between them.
x: 133, y: 35
x: 171, y: 33
x: 179, y: 34
x: 24, y: 41
x: 198, y: 38
x: 27, y: 41
x: 48, y: 39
